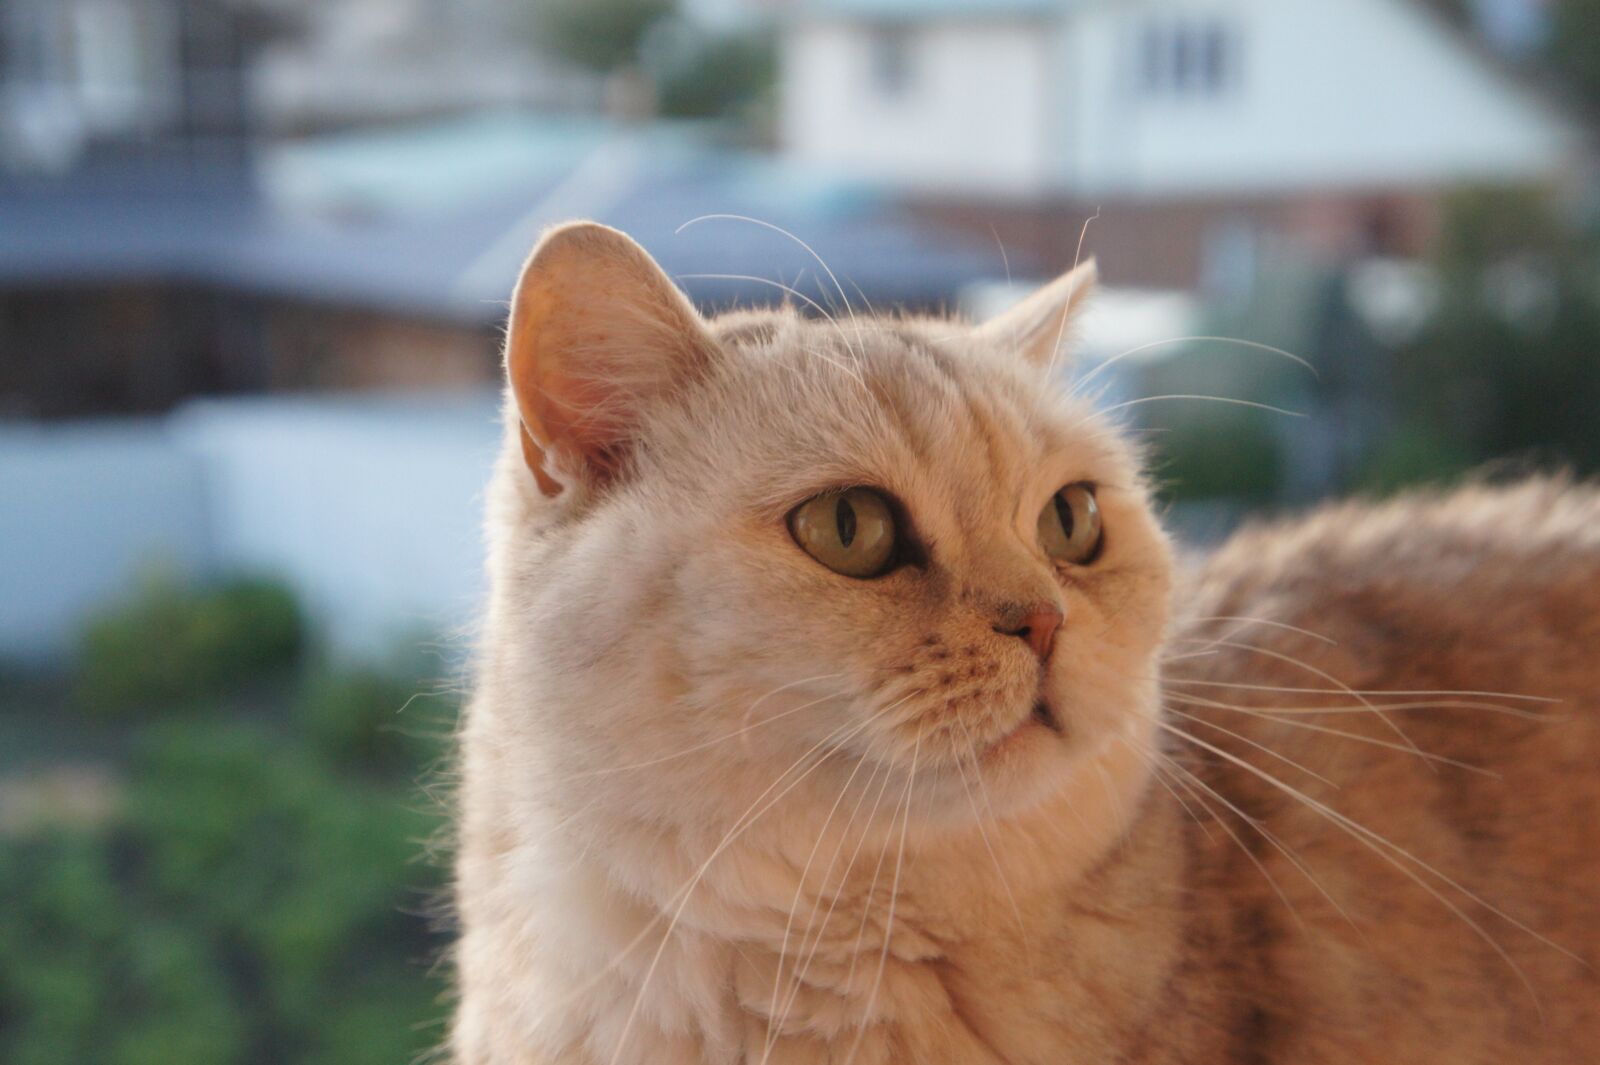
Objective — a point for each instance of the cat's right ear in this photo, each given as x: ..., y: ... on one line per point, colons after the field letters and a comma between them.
x: 598, y: 334
x: 1041, y: 325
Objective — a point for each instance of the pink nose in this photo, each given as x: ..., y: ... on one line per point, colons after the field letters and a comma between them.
x: 1038, y: 626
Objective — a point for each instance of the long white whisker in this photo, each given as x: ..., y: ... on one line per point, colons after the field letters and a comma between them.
x: 1381, y: 846
x: 833, y: 901
x: 1242, y: 738
x: 740, y: 826
x: 977, y: 769
x: 1205, y: 399
x: 894, y: 898
x: 1271, y: 715
x: 1253, y: 345
x: 799, y: 890
x: 779, y: 229
x: 1322, y: 674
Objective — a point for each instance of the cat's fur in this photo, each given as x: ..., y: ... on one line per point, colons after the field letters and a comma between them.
x: 721, y: 805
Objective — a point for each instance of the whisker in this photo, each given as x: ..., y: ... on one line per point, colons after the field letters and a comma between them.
x: 1242, y: 738
x: 1321, y: 674
x: 833, y: 901
x: 809, y: 250
x: 1381, y: 846
x: 1205, y: 399
x: 1271, y: 624
x: 1153, y: 345
x: 854, y: 371
x: 894, y: 898
x: 1066, y: 310
x: 977, y: 768
x: 1188, y: 781
x: 799, y: 890
x: 707, y: 744
x: 1270, y: 715
x: 741, y: 824
x: 1530, y: 715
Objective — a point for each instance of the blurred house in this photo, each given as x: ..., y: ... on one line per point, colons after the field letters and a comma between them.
x: 84, y: 76
x: 363, y: 61
x: 369, y: 506
x: 1195, y: 130
x: 384, y: 258
x: 80, y: 78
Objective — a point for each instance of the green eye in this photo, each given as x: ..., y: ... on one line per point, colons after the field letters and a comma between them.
x: 1069, y: 526
x: 851, y: 532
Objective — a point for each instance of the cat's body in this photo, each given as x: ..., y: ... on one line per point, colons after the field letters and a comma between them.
x: 721, y: 805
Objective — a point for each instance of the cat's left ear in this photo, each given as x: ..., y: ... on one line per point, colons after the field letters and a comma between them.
x: 598, y: 335
x: 1039, y: 326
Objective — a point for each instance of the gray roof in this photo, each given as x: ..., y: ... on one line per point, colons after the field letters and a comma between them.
x: 411, y: 224
x: 923, y: 10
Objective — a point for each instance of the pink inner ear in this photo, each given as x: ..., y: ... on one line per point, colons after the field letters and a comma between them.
x: 589, y: 415
x: 598, y: 332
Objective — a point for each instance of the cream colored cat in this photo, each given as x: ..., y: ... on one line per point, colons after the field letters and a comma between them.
x: 834, y: 706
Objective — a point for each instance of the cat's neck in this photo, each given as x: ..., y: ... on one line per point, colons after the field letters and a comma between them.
x: 897, y: 932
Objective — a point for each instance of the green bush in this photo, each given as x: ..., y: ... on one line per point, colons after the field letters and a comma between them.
x: 248, y: 904
x: 719, y: 76
x: 1229, y: 456
x: 174, y: 645
x: 370, y: 719
x: 1505, y: 367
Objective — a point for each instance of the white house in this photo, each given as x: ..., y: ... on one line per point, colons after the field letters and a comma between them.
x: 1153, y: 97
x: 1228, y: 103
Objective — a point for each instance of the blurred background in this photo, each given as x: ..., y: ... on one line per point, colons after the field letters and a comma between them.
x: 254, y: 257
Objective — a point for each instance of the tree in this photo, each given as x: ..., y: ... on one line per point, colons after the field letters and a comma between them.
x: 1574, y: 50
x: 601, y: 35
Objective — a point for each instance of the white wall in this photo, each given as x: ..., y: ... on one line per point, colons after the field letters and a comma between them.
x: 1349, y: 94
x: 370, y: 508
x: 973, y: 116
x: 1329, y: 95
x: 84, y: 510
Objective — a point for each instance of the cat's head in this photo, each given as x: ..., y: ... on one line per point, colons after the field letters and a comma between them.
x: 740, y: 545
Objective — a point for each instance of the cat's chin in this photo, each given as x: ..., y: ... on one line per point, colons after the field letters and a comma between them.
x: 1040, y: 759
x: 1023, y: 769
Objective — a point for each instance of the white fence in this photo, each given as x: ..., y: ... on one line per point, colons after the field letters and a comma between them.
x: 369, y: 507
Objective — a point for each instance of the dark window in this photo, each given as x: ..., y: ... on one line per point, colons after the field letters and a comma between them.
x: 891, y: 61
x: 1188, y: 59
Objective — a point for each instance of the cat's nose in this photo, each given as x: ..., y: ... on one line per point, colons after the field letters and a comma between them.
x: 1036, y: 623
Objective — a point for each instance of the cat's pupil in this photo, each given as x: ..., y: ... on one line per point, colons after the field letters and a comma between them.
x: 1064, y: 515
x: 845, y: 515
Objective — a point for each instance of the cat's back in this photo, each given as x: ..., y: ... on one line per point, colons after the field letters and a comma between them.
x: 1394, y: 709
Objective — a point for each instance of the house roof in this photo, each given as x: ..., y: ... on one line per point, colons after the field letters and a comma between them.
x: 435, y: 221
x: 919, y: 10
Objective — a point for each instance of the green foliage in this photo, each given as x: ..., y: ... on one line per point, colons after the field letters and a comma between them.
x: 174, y: 645
x: 248, y: 905
x: 1506, y: 367
x: 602, y: 35
x: 257, y: 893
x: 1233, y: 455
x: 1574, y: 49
x: 1413, y: 455
x: 371, y: 719
x: 719, y: 77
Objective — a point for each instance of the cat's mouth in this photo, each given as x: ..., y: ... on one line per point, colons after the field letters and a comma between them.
x: 1042, y: 717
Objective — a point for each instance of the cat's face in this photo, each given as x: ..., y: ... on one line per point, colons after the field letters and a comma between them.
x: 888, y: 544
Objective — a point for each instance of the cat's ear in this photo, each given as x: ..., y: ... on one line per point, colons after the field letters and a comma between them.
x: 1039, y: 326
x: 598, y: 334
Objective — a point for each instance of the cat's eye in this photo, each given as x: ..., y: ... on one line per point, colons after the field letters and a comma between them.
x: 850, y: 531
x: 1070, y: 528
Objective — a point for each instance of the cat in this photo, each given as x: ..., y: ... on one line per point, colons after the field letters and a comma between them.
x: 841, y: 699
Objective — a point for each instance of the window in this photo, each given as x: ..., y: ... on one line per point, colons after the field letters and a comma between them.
x: 890, y: 58
x: 1188, y: 59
